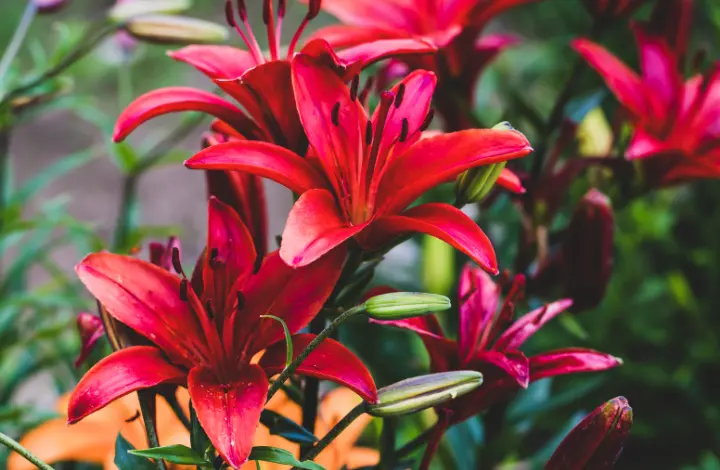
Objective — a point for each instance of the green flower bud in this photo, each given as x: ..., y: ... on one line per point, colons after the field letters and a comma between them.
x: 123, y: 11
x: 167, y: 29
x: 418, y: 393
x: 400, y: 305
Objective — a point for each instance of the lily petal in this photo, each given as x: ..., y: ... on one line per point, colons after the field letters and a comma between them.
x: 570, y: 361
x: 176, y: 99
x: 260, y: 158
x: 663, y: 82
x: 229, y: 412
x: 438, y: 159
x: 476, y: 310
x: 120, y: 373
x: 313, y: 228
x: 216, y: 61
x: 513, y: 363
x: 510, y: 181
x: 341, y: 36
x: 329, y: 361
x: 529, y: 323
x: 390, y: 14
x: 442, y: 221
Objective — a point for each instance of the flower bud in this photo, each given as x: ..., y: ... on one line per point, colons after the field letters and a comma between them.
x: 418, y: 393
x: 401, y: 305
x: 49, y: 6
x: 587, y: 251
x: 91, y: 330
x: 127, y: 9
x: 596, y: 442
x: 167, y: 29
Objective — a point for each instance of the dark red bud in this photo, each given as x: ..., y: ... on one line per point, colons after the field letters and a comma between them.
x: 91, y: 329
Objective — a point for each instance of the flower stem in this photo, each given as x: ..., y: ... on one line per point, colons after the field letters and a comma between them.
x: 17, y: 40
x: 147, y: 408
x: 14, y: 445
x: 289, y: 370
x: 335, y: 432
x: 4, y: 170
x: 413, y: 445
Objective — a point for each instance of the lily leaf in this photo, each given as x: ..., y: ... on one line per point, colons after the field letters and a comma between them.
x: 125, y: 460
x: 177, y: 453
x: 279, y: 425
x: 281, y: 456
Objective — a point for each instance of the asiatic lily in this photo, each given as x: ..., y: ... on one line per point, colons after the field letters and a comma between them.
x: 677, y: 131
x: 361, y: 173
x: 260, y: 85
x: 205, y: 332
x: 489, y: 342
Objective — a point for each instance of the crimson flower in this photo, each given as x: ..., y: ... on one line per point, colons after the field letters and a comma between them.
x: 361, y: 173
x: 205, y: 332
x: 260, y: 85
x: 677, y: 124
x: 489, y: 343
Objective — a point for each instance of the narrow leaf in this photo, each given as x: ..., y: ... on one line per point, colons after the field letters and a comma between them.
x: 281, y: 456
x: 288, y: 339
x: 126, y: 461
x: 177, y: 453
x: 279, y: 425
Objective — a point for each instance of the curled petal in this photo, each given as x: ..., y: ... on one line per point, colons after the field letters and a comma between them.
x: 122, y: 372
x: 529, y: 323
x: 510, y: 181
x: 476, y: 311
x: 217, y: 62
x: 570, y: 361
x: 512, y: 363
x: 91, y: 330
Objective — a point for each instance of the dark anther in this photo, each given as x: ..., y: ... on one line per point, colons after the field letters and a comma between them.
x: 209, y: 309
x: 242, y: 9
x: 184, y: 290
x: 335, y: 116
x: 133, y: 417
x: 266, y: 11
x: 278, y: 240
x: 213, y: 257
x: 400, y: 95
x: 404, y: 130
x: 240, y: 300
x: 177, y: 266
x: 313, y: 9
x: 281, y: 8
x: 368, y: 133
x: 229, y: 14
x: 428, y: 120
x: 354, y: 87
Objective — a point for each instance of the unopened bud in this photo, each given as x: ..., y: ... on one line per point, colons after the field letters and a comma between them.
x: 587, y: 251
x: 167, y: 29
x: 596, y: 442
x: 400, y: 305
x: 418, y: 393
x: 127, y: 9
x: 49, y: 6
x: 91, y: 330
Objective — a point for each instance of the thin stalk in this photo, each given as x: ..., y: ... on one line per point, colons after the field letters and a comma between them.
x: 127, y: 201
x: 289, y: 370
x: 147, y: 408
x: 17, y: 40
x: 413, y: 445
x: 4, y: 166
x: 335, y: 432
x: 157, y: 151
x: 14, y: 445
x: 387, y: 443
x: 178, y: 410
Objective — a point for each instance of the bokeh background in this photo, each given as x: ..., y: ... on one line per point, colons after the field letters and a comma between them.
x: 661, y: 313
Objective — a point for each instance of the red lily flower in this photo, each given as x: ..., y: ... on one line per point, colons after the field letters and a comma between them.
x: 677, y: 131
x: 362, y: 173
x: 260, y: 85
x: 488, y: 343
x: 204, y: 333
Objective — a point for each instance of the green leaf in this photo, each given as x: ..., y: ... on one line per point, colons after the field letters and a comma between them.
x: 281, y: 456
x: 125, y: 157
x: 572, y: 325
x: 288, y: 339
x: 125, y: 460
x: 279, y: 425
x: 199, y: 441
x: 177, y: 453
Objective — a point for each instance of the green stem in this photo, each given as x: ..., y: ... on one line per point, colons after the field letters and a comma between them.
x: 14, y: 445
x: 157, y: 151
x: 124, y: 221
x: 178, y: 410
x: 413, y: 445
x: 289, y: 370
x: 147, y: 408
x: 387, y: 443
x: 4, y: 170
x: 17, y: 39
x: 335, y: 432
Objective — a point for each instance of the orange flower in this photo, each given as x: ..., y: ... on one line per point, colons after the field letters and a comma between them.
x: 93, y: 439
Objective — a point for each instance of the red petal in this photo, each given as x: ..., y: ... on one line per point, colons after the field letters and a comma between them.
x: 295, y: 295
x: 342, y: 36
x: 229, y: 412
x: 364, y: 55
x: 477, y: 309
x: 313, y: 228
x: 510, y: 181
x: 91, y: 329
x: 335, y: 125
x: 122, y: 372
x: 262, y: 159
x: 161, y: 254
x: 329, y: 361
x: 371, y: 13
x: 175, y: 99
x: 570, y: 361
x: 622, y: 81
x: 529, y: 323
x: 513, y: 363
x: 146, y: 298
x: 435, y: 160
x: 216, y: 61
x: 442, y: 221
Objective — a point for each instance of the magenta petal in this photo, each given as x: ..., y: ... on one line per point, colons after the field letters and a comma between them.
x: 570, y: 361
x: 513, y: 363
x: 217, y: 62
x: 122, y: 372
x: 510, y: 181
x: 363, y: 55
x: 229, y: 411
x: 91, y: 329
x: 313, y: 228
x: 176, y: 99
x: 477, y: 309
x: 329, y: 361
x: 529, y: 323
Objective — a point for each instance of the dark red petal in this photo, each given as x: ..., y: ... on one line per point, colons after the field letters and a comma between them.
x: 216, y: 61
x: 260, y: 158
x: 477, y: 309
x: 329, y: 361
x: 570, y: 361
x: 314, y: 227
x: 122, y: 372
x: 91, y: 329
x: 229, y: 411
x: 146, y: 298
x: 442, y: 221
x: 513, y: 363
x: 175, y: 99
x: 528, y: 324
x: 435, y: 160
